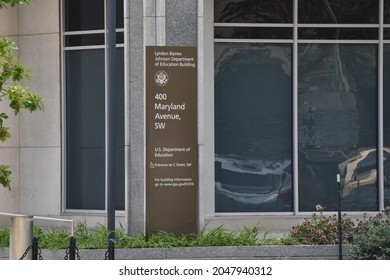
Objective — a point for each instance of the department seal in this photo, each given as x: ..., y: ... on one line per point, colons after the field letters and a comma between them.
x: 161, y: 78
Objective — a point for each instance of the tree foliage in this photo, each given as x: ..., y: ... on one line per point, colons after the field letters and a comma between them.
x: 13, y: 3
x: 12, y: 73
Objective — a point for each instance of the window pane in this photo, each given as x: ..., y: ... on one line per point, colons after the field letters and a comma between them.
x: 253, y: 128
x: 120, y: 130
x: 89, y: 15
x: 85, y: 132
x: 85, y: 129
x: 244, y: 11
x: 387, y: 12
x: 119, y: 14
x: 84, y: 40
x: 386, y: 33
x: 90, y: 39
x: 84, y: 15
x: 338, y: 11
x: 337, y: 126
x: 338, y: 33
x: 386, y: 122
x: 253, y: 33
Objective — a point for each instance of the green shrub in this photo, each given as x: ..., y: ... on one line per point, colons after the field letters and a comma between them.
x: 54, y: 238
x: 221, y: 237
x: 4, y: 238
x: 372, y: 238
x: 289, y: 240
x: 323, y: 230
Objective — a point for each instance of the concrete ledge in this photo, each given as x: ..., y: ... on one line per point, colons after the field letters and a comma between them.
x: 302, y: 252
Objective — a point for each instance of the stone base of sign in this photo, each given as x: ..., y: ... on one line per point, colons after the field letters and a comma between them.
x: 302, y: 252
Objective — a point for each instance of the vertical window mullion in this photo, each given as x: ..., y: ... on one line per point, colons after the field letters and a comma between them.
x: 380, y: 108
x: 295, y: 108
x: 63, y: 113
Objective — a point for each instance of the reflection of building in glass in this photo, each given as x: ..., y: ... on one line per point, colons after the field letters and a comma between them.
x: 253, y: 125
x: 336, y: 117
x: 336, y: 95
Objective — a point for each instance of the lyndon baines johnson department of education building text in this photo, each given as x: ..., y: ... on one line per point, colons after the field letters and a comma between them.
x: 286, y: 94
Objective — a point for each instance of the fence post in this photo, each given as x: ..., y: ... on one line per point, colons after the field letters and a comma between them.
x: 21, y: 232
x: 35, y: 248
x: 111, y: 250
x: 339, y: 218
x: 72, y: 248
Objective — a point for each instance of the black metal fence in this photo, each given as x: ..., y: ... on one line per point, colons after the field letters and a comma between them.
x: 71, y: 253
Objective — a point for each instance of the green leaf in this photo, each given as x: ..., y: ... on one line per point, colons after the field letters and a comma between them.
x: 3, y: 116
x: 4, y: 133
x: 5, y: 176
x: 20, y: 98
x: 13, y: 3
x: 11, y: 72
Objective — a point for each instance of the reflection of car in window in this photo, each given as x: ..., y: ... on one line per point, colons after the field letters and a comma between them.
x: 337, y: 121
x: 358, y: 171
x: 337, y: 104
x: 253, y: 128
x: 256, y: 184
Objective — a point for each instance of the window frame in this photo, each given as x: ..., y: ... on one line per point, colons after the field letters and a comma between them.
x: 64, y: 48
x: 208, y: 44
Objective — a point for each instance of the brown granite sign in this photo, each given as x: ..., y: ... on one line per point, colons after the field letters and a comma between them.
x: 171, y: 140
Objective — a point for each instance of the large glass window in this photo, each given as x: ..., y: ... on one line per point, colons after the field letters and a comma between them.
x: 253, y: 128
x: 337, y: 126
x: 253, y: 112
x: 84, y: 61
x: 318, y: 109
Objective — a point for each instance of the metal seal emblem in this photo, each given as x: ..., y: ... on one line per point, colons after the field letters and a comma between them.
x: 161, y: 78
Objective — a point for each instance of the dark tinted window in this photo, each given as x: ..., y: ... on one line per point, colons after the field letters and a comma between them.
x: 337, y: 96
x: 85, y: 134
x: 253, y: 128
x: 89, y: 15
x: 84, y: 15
x: 85, y: 107
x: 338, y: 11
x: 338, y: 33
x: 386, y: 33
x: 253, y: 33
x: 254, y: 11
x: 387, y: 11
x: 84, y: 40
x: 90, y: 39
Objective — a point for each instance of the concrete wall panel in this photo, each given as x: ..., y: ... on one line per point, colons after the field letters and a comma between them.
x: 42, y: 128
x: 39, y: 17
x: 40, y: 181
x: 12, y: 122
x: 9, y: 21
x: 9, y: 199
